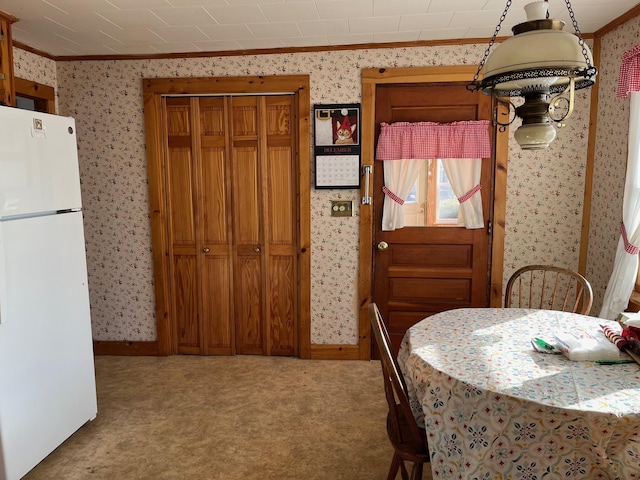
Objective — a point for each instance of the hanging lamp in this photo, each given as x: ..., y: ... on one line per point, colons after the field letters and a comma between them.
x: 541, y: 63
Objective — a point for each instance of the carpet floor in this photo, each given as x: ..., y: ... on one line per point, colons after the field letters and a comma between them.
x: 227, y: 418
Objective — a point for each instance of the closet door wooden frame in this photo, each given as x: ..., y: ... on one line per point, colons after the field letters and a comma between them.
x: 154, y: 90
x: 7, y: 85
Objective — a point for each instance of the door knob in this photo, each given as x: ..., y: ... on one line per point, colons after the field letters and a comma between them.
x: 256, y: 249
x: 206, y: 249
x: 382, y: 246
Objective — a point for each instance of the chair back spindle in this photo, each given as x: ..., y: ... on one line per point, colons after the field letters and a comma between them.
x: 549, y: 287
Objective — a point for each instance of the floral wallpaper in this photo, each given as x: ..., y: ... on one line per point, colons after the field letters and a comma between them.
x: 544, y: 192
x: 610, y: 160
x: 545, y: 196
x: 105, y: 97
x: 33, y: 67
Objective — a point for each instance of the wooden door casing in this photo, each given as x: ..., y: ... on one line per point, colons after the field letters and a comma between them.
x: 43, y: 96
x: 7, y: 85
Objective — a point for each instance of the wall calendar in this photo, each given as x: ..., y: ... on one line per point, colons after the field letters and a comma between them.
x: 337, y: 145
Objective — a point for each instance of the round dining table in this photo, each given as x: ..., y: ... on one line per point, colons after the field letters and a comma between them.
x: 495, y: 408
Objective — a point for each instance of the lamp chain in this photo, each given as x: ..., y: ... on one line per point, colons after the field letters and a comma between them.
x: 473, y: 86
x: 579, y: 35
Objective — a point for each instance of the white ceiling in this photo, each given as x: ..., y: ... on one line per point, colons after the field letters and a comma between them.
x: 147, y: 27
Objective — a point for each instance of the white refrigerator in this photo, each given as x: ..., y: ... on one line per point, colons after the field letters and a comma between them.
x: 47, y: 377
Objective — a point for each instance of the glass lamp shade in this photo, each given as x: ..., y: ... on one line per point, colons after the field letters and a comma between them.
x: 534, y: 136
x: 539, y: 61
x: 535, y: 61
x: 539, y: 58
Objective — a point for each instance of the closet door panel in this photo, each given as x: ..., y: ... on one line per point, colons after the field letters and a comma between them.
x: 244, y: 117
x: 231, y: 182
x: 282, y: 316
x: 180, y: 172
x: 282, y: 255
x: 181, y: 206
x: 182, y: 231
x: 280, y: 226
x: 215, y: 221
x: 217, y: 304
x: 248, y: 303
x: 248, y: 226
x: 186, y: 304
x: 246, y: 184
x: 280, y: 213
x: 215, y: 205
x: 215, y: 176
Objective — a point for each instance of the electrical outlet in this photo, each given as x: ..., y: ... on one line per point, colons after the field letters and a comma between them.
x: 341, y: 208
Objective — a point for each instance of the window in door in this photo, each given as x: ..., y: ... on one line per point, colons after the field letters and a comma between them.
x: 432, y: 202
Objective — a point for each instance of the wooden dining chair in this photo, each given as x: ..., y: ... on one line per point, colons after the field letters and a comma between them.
x: 548, y: 287
x: 409, y: 441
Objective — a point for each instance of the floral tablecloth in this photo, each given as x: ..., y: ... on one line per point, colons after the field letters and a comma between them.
x: 494, y: 408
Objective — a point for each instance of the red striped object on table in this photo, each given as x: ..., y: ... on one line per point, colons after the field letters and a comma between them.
x: 620, y: 342
x: 615, y: 338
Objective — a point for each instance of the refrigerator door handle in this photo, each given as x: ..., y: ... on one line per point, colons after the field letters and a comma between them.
x: 68, y: 210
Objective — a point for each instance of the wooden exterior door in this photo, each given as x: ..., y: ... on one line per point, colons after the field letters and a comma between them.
x: 421, y: 270
x: 231, y: 196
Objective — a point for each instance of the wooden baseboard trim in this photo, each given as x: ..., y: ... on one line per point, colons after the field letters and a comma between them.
x: 335, y: 352
x: 318, y: 352
x: 125, y: 348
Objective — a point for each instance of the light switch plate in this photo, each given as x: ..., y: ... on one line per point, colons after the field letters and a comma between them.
x: 341, y: 208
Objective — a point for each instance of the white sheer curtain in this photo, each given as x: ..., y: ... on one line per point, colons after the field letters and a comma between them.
x: 464, y: 177
x: 404, y: 147
x: 399, y: 177
x: 625, y: 266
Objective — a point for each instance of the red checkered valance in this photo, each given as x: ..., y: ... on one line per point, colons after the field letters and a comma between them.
x: 629, y: 79
x: 423, y: 140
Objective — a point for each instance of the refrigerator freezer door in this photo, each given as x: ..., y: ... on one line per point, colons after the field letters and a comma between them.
x: 38, y: 163
x: 47, y: 378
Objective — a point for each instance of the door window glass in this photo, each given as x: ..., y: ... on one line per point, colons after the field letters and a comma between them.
x: 25, y: 103
x: 431, y: 202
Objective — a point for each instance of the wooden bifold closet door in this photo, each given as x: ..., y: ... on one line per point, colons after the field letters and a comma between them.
x: 232, y: 224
